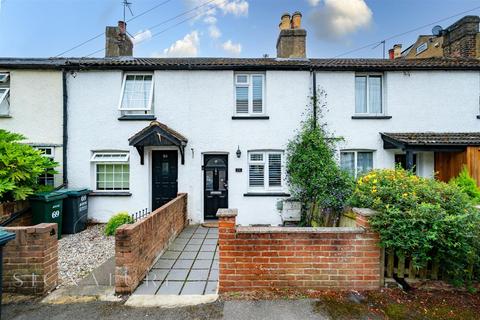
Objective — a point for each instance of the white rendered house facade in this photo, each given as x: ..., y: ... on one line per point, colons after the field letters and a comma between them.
x: 219, y: 133
x: 31, y: 103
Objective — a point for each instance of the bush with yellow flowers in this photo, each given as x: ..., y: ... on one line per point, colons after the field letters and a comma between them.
x: 423, y: 219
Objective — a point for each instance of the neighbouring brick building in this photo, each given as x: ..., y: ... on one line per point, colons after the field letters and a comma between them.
x: 460, y: 40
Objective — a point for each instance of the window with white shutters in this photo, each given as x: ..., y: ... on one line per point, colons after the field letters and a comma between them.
x: 249, y: 94
x: 265, y: 170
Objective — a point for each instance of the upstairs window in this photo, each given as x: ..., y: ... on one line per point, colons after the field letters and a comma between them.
x: 137, y: 94
x: 4, y: 94
x: 249, y: 94
x: 265, y: 170
x: 47, y: 179
x: 356, y: 162
x: 112, y: 171
x: 368, y: 94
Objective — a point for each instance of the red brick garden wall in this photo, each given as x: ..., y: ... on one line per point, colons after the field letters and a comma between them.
x: 7, y: 209
x: 263, y: 258
x: 137, y: 245
x: 30, y: 261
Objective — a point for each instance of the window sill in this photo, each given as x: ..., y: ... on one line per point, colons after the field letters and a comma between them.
x: 109, y: 194
x: 250, y: 117
x: 137, y: 117
x: 266, y: 194
x: 5, y: 116
x: 371, y: 117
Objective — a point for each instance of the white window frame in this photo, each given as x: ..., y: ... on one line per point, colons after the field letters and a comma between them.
x: 50, y: 156
x: 355, y: 158
x: 4, y: 76
x: 96, y: 161
x: 421, y: 48
x: 249, y: 85
x: 114, y: 156
x: 266, y: 171
x: 52, y: 151
x: 149, y: 106
x: 382, y: 92
x: 5, y: 94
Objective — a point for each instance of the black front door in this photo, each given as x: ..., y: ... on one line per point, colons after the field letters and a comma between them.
x: 215, y: 184
x: 164, y: 177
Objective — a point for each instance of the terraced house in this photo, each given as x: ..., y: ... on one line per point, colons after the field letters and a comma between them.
x: 140, y: 130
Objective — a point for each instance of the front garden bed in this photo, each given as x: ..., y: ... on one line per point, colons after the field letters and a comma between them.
x: 80, y: 253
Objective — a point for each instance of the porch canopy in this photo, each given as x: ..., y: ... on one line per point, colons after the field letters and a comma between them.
x: 411, y: 142
x: 157, y: 134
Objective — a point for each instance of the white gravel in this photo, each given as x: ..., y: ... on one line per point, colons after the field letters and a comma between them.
x: 80, y: 253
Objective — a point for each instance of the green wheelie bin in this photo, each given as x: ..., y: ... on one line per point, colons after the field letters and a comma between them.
x: 48, y: 207
x: 75, y: 210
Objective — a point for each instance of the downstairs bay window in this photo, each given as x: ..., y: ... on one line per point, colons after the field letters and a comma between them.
x: 356, y: 162
x: 112, y: 171
x: 265, y: 171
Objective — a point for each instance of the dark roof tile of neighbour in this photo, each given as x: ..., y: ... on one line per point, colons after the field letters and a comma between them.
x: 242, y: 63
x: 435, y: 138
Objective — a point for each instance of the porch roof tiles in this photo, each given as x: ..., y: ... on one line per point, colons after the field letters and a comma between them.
x: 433, y: 138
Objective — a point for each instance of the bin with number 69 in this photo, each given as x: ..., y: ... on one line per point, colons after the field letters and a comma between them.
x: 47, y: 207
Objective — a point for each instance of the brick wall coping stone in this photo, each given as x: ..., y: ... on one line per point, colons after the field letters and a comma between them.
x: 226, y: 213
x: 299, y: 230
x: 366, y: 212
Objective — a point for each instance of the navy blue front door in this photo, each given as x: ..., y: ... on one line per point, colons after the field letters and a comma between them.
x: 164, y: 177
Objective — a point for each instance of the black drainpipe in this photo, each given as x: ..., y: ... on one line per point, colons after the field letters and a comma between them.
x: 314, y: 97
x: 65, y: 127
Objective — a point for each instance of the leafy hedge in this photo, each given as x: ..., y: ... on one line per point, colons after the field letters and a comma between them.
x: 116, y: 221
x: 423, y: 218
x: 20, y: 167
x: 467, y: 184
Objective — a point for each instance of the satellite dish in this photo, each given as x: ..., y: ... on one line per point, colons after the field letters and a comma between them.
x: 437, y: 31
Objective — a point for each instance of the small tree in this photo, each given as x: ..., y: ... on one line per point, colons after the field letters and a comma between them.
x: 20, y: 167
x: 313, y: 173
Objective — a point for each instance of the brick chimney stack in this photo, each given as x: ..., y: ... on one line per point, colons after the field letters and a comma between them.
x: 117, y: 42
x: 462, y: 39
x: 291, y: 41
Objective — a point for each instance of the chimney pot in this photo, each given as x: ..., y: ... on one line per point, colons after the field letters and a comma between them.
x: 117, y: 42
x: 291, y: 41
x: 122, y: 26
x: 397, y: 51
x: 296, y: 20
x: 285, y: 21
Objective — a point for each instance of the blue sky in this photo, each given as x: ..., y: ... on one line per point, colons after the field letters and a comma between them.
x: 237, y: 28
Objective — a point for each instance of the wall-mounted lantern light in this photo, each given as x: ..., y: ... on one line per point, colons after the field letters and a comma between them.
x: 239, y: 153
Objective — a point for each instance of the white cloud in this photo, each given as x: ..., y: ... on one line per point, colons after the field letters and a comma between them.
x: 214, y: 32
x: 210, y: 11
x: 236, y: 7
x: 232, y: 48
x: 141, y: 36
x: 338, y: 18
x: 313, y: 3
x: 186, y: 47
x: 210, y: 20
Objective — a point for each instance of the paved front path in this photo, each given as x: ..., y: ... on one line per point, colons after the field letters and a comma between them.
x: 189, y: 266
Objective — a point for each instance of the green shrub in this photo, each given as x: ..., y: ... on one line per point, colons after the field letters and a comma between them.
x: 20, y: 167
x: 116, y: 221
x: 467, y: 184
x: 423, y: 218
x: 313, y: 174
